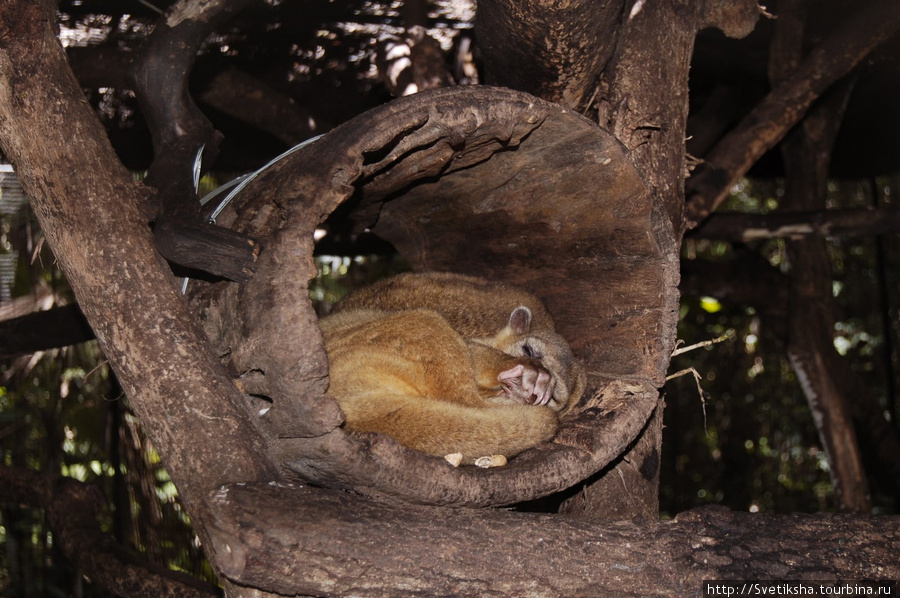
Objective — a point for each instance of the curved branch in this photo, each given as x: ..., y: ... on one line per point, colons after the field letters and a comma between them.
x: 377, y: 466
x: 178, y: 128
x: 160, y: 74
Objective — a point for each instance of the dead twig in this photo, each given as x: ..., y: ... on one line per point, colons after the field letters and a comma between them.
x: 703, y: 393
x: 679, y: 350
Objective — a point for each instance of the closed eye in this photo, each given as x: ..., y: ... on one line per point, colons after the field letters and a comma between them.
x: 531, y: 352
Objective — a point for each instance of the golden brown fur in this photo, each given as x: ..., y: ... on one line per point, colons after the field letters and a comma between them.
x: 410, y: 360
x: 480, y: 310
x: 475, y: 307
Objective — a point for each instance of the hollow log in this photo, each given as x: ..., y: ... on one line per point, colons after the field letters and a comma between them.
x: 482, y: 181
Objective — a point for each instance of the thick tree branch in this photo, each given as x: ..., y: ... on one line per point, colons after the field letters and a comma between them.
x: 98, y: 67
x: 735, y: 19
x: 769, y: 122
x: 160, y: 74
x: 743, y: 227
x: 462, y: 552
x: 72, y: 508
x: 248, y: 99
x: 42, y: 330
x: 811, y: 351
x: 205, y: 247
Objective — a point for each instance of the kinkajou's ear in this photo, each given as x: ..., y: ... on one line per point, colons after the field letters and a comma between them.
x: 520, y: 320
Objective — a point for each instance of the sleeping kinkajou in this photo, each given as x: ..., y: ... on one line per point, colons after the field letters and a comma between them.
x: 445, y: 363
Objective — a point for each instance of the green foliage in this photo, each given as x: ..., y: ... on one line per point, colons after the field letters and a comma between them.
x: 752, y: 444
x: 61, y: 412
x: 50, y: 423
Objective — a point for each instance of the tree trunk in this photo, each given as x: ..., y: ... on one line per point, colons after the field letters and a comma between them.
x: 807, y: 154
x: 644, y: 103
x: 87, y: 206
x: 553, y: 50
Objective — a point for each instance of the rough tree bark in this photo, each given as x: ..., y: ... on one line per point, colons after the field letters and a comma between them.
x: 552, y: 50
x: 375, y: 549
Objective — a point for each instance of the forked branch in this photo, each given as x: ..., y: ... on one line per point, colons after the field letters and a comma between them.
x: 769, y: 122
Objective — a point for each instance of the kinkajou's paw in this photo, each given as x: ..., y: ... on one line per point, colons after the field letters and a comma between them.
x: 527, y: 384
